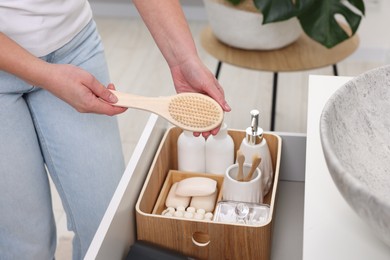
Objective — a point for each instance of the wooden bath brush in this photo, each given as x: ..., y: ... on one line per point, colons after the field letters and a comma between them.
x: 190, y: 111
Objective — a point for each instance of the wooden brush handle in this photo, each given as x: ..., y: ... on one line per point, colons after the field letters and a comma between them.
x: 152, y: 104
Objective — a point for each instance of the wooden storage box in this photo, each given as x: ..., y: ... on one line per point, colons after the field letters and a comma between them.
x: 202, y: 239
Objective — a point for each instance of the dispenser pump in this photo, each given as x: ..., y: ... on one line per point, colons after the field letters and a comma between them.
x: 254, y: 134
x: 255, y: 143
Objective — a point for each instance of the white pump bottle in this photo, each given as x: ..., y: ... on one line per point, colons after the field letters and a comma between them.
x: 255, y: 143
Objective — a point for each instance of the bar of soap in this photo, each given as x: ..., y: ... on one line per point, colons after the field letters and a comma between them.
x: 176, y: 201
x: 204, y: 202
x: 196, y: 186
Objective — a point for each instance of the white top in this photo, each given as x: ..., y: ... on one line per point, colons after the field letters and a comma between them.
x: 42, y: 26
x: 332, y: 230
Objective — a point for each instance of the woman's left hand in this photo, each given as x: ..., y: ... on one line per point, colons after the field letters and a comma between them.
x: 193, y: 76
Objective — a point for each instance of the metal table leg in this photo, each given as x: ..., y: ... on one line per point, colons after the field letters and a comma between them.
x: 335, y: 72
x: 274, y: 96
x: 218, y: 69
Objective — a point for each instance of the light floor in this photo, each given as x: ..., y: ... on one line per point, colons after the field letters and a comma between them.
x: 137, y: 67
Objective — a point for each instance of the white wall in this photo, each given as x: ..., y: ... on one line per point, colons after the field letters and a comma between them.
x: 374, y: 31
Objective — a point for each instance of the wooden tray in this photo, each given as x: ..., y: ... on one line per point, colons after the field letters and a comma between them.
x: 175, y: 176
x: 202, y: 239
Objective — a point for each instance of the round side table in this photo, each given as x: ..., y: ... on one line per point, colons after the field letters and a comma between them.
x: 303, y: 54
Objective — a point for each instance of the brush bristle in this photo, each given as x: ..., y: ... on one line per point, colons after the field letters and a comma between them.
x: 195, y: 110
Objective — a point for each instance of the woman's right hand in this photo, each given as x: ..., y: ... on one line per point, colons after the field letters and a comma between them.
x: 72, y: 84
x: 80, y: 89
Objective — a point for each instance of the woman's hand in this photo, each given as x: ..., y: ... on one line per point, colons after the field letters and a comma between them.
x: 193, y: 76
x: 168, y: 26
x: 81, y: 90
x: 74, y: 85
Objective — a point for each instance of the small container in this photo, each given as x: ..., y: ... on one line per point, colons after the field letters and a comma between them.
x: 219, y: 152
x: 254, y: 143
x: 253, y: 214
x: 191, y: 152
x: 244, y: 191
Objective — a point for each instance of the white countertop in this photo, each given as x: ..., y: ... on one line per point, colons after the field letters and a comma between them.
x: 332, y: 230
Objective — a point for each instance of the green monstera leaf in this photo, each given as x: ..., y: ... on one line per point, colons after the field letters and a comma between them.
x: 317, y: 17
x: 235, y: 2
x: 276, y: 10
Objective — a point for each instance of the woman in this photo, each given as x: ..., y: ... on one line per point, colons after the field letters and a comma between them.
x: 52, y: 78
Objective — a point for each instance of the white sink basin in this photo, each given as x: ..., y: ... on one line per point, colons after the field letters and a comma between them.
x: 355, y: 137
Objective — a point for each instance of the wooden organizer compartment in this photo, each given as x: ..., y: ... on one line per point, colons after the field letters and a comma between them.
x: 175, y: 176
x: 202, y: 239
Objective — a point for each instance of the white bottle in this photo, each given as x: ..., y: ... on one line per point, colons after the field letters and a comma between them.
x: 191, y: 152
x: 255, y: 143
x: 219, y: 151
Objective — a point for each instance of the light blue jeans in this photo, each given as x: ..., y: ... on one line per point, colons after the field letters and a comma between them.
x: 82, y: 153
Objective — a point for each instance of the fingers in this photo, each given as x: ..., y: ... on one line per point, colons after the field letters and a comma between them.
x: 207, y: 134
x: 108, y: 109
x: 215, y: 91
x: 102, y: 99
x: 100, y: 106
x: 101, y: 92
x: 97, y: 105
x: 204, y: 134
x: 111, y: 86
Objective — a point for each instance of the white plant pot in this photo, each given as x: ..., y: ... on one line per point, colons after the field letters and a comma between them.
x: 244, y: 29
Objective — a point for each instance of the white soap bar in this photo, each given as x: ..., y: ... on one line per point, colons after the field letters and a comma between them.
x: 174, y: 200
x: 206, y: 203
x: 196, y: 186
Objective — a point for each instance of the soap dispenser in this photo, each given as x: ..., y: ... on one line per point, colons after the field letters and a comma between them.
x: 191, y: 152
x: 219, y: 151
x: 255, y: 143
